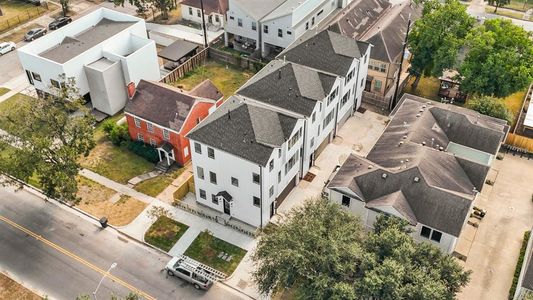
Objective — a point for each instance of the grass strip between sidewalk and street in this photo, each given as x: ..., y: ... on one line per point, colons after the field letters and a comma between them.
x: 10, y: 289
x: 164, y: 233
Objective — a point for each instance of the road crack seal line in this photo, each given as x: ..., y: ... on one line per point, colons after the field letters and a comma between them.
x: 75, y: 257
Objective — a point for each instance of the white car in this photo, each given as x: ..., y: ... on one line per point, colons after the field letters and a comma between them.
x: 7, y: 47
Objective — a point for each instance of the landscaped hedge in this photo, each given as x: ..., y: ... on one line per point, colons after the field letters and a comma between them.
x: 518, y: 267
x: 146, y: 151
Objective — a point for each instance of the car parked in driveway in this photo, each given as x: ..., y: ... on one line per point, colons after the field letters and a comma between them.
x: 34, y: 33
x: 59, y: 22
x: 7, y: 47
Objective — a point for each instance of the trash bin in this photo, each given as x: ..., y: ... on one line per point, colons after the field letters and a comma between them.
x: 103, y: 222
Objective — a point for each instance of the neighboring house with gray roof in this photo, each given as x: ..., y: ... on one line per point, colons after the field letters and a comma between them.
x: 524, y: 288
x: 244, y: 157
x: 427, y: 167
x: 214, y: 11
x: 270, y: 26
x: 104, y: 51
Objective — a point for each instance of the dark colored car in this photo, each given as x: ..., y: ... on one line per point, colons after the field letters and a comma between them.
x: 59, y: 22
x: 34, y: 33
x: 35, y: 2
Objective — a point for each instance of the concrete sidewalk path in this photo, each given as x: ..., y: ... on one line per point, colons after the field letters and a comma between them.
x: 184, y: 242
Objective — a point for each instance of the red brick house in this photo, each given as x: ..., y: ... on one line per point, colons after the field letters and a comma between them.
x: 161, y: 115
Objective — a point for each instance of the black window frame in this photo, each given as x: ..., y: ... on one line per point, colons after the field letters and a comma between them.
x: 212, y: 177
x: 197, y: 148
x: 234, y: 181
x: 55, y: 83
x: 214, y: 199
x: 254, y: 176
x: 280, y: 32
x: 36, y: 76
x: 346, y: 201
x: 210, y: 152
x: 436, y: 236
x: 198, y: 169
x: 203, y: 194
x: 265, y: 29
x: 425, y: 232
x: 256, y: 201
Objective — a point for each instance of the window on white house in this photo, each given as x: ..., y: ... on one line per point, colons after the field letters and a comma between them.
x: 235, y: 181
x: 140, y: 137
x: 257, y: 201
x: 292, y: 161
x: 197, y: 148
x: 190, y: 11
x: 313, y: 21
x: 265, y: 29
x: 271, y: 165
x: 436, y: 236
x: 200, y: 172
x: 198, y: 13
x: 202, y: 194
x: 210, y: 152
x: 213, y: 177
x: 362, y: 82
x: 254, y: 26
x: 55, y: 83
x: 150, y: 127
x: 30, y: 79
x: 345, y: 200
x: 36, y: 76
x: 295, y: 138
x: 289, y: 32
x: 328, y: 118
x: 239, y: 22
x: 279, y: 176
x: 214, y: 199
x: 280, y: 32
x: 425, y: 232
x: 271, y: 191
x: 256, y: 178
x: 312, y: 143
x: 345, y: 98
x: 306, y: 25
x: 152, y: 142
x: 279, y: 153
x: 333, y: 95
x: 232, y: 18
x: 166, y: 135
x: 320, y: 12
x: 217, y: 18
x: 137, y: 122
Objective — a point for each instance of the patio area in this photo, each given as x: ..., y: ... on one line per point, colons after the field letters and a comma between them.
x: 358, y: 135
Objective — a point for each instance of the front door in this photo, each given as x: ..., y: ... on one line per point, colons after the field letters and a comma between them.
x: 227, y: 209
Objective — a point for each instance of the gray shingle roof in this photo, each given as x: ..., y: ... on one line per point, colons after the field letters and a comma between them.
x: 443, y: 191
x: 244, y: 130
x: 358, y: 17
x: 326, y: 51
x: 161, y: 104
x: 288, y: 86
x: 71, y: 47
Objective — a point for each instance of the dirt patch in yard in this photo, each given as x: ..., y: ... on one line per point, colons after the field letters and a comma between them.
x: 96, y: 200
x: 10, y: 289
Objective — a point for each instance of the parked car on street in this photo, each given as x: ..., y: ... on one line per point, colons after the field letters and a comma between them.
x: 34, y: 33
x: 35, y: 2
x: 59, y: 22
x: 200, y: 275
x: 7, y: 47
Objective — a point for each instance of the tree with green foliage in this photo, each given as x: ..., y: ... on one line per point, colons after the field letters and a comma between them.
x: 437, y: 37
x: 323, y: 252
x: 499, y: 61
x: 64, y: 6
x: 499, y: 3
x: 50, y: 135
x: 164, y: 6
x: 491, y: 107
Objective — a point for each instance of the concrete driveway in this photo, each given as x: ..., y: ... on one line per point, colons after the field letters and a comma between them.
x: 358, y: 135
x: 493, y: 248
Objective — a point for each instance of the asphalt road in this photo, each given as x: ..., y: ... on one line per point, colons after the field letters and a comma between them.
x: 63, y: 255
x: 10, y: 66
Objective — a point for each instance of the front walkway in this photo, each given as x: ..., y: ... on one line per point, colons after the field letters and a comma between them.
x: 184, y: 242
x: 358, y: 135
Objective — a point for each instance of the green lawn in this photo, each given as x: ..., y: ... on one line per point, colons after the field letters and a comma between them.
x: 8, y: 107
x: 514, y: 104
x: 114, y: 162
x: 17, y: 12
x: 206, y: 248
x: 227, y: 80
x: 428, y: 87
x: 519, y: 5
x: 164, y: 233
x: 4, y: 91
x: 155, y: 186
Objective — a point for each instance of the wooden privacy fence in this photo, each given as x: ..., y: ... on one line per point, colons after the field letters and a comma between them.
x: 236, y: 60
x: 520, y: 142
x: 192, y: 63
x: 28, y: 14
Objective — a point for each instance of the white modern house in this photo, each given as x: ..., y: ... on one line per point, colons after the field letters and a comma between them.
x: 214, y: 11
x: 103, y: 51
x: 274, y: 128
x: 271, y: 26
x: 427, y: 168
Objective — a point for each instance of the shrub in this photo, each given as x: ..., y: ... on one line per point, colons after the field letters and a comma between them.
x: 491, y: 107
x: 116, y: 133
x: 147, y: 152
x: 519, y: 264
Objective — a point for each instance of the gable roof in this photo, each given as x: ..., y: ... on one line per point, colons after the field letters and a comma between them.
x: 437, y: 186
x: 161, y: 104
x: 326, y: 51
x: 244, y: 130
x: 388, y: 38
x: 206, y: 89
x: 258, y: 9
x: 359, y: 16
x: 288, y: 86
x: 210, y: 6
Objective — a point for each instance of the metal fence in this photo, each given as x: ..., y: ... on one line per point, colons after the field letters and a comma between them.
x: 28, y: 14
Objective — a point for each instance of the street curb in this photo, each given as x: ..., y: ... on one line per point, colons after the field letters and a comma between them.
x: 37, y: 192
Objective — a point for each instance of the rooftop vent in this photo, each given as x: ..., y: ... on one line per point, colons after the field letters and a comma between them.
x: 369, y: 167
x: 384, y: 175
x: 416, y: 179
x: 423, y: 143
x: 401, y: 143
x: 418, y: 115
x: 424, y: 106
x: 441, y: 148
x: 405, y: 137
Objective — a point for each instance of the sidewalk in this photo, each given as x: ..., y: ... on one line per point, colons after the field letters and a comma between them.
x: 184, y: 242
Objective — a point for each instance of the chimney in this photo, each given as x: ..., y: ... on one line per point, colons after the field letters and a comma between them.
x: 131, y: 90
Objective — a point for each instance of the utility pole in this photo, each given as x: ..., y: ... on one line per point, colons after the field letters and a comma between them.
x: 203, y: 23
x: 393, y: 101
